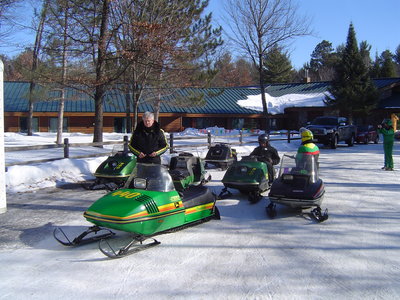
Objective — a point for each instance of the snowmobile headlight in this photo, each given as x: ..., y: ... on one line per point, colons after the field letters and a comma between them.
x: 287, y: 177
x: 243, y: 169
x: 329, y: 131
x: 140, y: 183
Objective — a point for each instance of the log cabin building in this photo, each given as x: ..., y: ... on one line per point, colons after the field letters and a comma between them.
x: 221, y: 108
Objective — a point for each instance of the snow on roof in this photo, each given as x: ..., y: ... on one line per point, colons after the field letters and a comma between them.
x: 277, y: 105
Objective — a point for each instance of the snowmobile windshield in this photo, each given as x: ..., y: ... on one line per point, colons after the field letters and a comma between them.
x: 156, y: 176
x: 119, y: 150
x: 300, y: 165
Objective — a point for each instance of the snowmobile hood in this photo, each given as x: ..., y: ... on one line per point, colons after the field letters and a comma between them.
x: 246, y: 171
x: 131, y: 205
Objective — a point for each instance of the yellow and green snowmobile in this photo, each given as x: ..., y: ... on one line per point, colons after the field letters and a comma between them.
x: 148, y: 205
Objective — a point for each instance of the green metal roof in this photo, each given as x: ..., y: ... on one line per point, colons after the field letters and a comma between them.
x: 218, y: 100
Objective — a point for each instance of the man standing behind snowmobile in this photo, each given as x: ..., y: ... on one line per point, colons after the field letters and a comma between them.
x: 306, y: 149
x: 148, y: 141
x: 268, y: 154
x: 386, y: 129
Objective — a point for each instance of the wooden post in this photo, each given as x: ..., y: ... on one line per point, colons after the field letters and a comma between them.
x: 209, y: 139
x: 66, y: 148
x: 126, y: 141
x: 288, y: 136
x: 171, y: 143
x: 3, y: 201
x: 240, y: 137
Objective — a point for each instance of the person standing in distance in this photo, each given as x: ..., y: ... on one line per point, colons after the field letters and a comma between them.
x: 386, y: 129
x: 148, y: 141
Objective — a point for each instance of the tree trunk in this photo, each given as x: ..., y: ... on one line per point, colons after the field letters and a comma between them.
x: 263, y: 99
x: 100, y: 74
x: 35, y: 60
x: 128, y: 98
x: 60, y: 115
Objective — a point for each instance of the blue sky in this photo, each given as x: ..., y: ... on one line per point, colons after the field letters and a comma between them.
x: 377, y: 22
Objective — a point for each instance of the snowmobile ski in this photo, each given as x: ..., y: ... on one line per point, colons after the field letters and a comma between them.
x: 81, y: 239
x: 254, y: 197
x: 136, y: 244
x: 271, y: 210
x: 225, y: 193
x: 100, y: 185
x: 139, y: 242
x: 317, y: 214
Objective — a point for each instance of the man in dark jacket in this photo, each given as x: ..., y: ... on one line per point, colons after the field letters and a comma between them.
x: 148, y: 141
x: 268, y: 154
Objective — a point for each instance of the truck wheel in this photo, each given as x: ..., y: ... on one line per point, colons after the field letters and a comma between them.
x: 350, y: 142
x: 334, y: 142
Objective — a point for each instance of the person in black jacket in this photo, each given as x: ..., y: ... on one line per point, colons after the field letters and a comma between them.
x: 268, y: 154
x: 148, y: 141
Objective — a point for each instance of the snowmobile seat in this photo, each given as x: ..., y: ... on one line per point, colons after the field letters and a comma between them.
x: 181, y: 167
x: 196, y: 195
x: 299, y: 180
x: 249, y: 158
x: 218, y: 151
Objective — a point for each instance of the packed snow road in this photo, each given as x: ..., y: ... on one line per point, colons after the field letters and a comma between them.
x: 355, y: 254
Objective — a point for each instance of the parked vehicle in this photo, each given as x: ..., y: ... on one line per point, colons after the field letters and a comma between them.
x: 249, y: 176
x: 112, y: 173
x: 330, y: 130
x: 298, y: 186
x: 366, y: 134
x: 146, y: 206
x: 186, y: 170
x: 221, y: 155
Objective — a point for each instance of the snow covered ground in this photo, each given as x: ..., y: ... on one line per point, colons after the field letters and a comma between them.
x: 355, y: 254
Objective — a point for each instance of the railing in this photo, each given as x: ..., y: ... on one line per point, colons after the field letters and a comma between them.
x: 172, y: 147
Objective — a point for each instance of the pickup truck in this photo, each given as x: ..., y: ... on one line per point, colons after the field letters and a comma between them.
x: 330, y: 130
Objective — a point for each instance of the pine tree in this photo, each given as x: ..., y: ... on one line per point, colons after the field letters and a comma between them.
x: 322, y: 62
x: 388, y: 67
x: 277, y: 66
x: 352, y: 90
x: 397, y: 59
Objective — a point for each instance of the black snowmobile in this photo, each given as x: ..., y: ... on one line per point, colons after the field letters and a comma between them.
x: 249, y: 176
x: 112, y: 173
x: 298, y: 186
x: 186, y: 170
x: 221, y: 155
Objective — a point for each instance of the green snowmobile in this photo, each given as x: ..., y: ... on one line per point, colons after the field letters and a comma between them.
x: 249, y: 176
x: 148, y: 205
x: 112, y: 173
x: 187, y: 170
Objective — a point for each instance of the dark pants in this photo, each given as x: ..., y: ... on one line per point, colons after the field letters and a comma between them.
x: 271, y: 172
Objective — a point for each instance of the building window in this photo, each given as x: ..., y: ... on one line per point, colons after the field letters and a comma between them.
x: 120, y: 125
x: 238, y: 124
x: 23, y: 124
x: 53, y: 124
